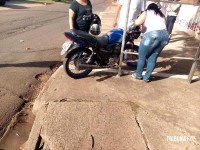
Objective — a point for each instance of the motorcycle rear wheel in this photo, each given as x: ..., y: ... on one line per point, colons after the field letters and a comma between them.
x: 73, y: 59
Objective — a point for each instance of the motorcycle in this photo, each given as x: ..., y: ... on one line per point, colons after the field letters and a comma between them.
x: 85, y: 52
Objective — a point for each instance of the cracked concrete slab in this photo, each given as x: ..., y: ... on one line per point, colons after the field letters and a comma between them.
x: 161, y: 134
x: 89, y: 125
x: 161, y: 110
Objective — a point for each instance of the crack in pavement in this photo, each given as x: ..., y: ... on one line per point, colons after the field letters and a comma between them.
x: 143, y: 134
x: 135, y: 108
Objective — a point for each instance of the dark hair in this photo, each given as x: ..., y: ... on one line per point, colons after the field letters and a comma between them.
x: 155, y: 8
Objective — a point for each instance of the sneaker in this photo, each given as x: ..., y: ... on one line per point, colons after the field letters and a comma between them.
x: 146, y: 80
x: 134, y: 76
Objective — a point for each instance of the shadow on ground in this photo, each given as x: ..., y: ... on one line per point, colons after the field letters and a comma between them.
x: 44, y: 64
x: 181, y: 45
x: 13, y: 6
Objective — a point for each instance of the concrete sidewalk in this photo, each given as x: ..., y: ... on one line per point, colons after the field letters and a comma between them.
x: 103, y: 111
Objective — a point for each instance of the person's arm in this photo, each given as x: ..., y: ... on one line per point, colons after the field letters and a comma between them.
x: 140, y: 20
x: 117, y: 15
x: 71, y: 19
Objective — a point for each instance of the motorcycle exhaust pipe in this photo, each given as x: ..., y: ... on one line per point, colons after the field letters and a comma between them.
x: 86, y: 66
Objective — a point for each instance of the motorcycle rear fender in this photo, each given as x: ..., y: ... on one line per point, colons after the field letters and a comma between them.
x: 80, y: 41
x: 72, y: 37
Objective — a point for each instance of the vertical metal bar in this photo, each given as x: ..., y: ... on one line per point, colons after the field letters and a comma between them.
x: 123, y: 40
x: 195, y: 18
x: 194, y: 65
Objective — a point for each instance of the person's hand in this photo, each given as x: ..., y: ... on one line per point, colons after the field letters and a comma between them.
x: 71, y: 30
x: 114, y: 24
x: 132, y: 27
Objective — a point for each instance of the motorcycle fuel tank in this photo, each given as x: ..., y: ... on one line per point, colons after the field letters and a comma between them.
x: 115, y: 36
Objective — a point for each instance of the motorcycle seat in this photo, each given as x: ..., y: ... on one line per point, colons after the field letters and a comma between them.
x: 85, y: 36
x: 102, y: 40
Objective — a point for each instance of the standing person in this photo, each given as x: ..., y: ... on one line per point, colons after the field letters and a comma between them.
x: 80, y: 15
x: 154, y: 39
x: 136, y: 6
x: 172, y: 12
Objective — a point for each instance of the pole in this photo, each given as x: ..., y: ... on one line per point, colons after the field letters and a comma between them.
x: 194, y: 65
x: 123, y: 40
x: 145, y: 4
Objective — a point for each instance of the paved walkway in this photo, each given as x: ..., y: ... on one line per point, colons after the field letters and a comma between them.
x: 103, y: 111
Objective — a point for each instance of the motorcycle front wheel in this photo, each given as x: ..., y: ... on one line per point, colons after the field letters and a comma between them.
x: 73, y: 59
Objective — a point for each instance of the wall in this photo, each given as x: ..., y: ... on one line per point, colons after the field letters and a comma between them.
x: 188, y: 20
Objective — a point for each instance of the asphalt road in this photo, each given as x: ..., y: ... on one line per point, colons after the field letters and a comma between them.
x: 30, y: 42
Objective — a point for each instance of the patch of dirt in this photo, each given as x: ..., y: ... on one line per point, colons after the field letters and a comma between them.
x: 18, y: 131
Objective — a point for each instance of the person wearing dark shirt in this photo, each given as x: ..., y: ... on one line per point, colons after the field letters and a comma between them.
x: 80, y: 15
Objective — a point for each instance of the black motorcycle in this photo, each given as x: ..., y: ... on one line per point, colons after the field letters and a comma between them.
x: 86, y: 52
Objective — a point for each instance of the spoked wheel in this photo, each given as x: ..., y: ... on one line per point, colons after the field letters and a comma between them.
x: 73, y: 60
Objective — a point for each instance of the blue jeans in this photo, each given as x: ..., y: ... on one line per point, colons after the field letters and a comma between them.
x: 151, y: 45
x: 170, y: 23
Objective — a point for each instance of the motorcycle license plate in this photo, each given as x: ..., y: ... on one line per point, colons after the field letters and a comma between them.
x: 66, y: 46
